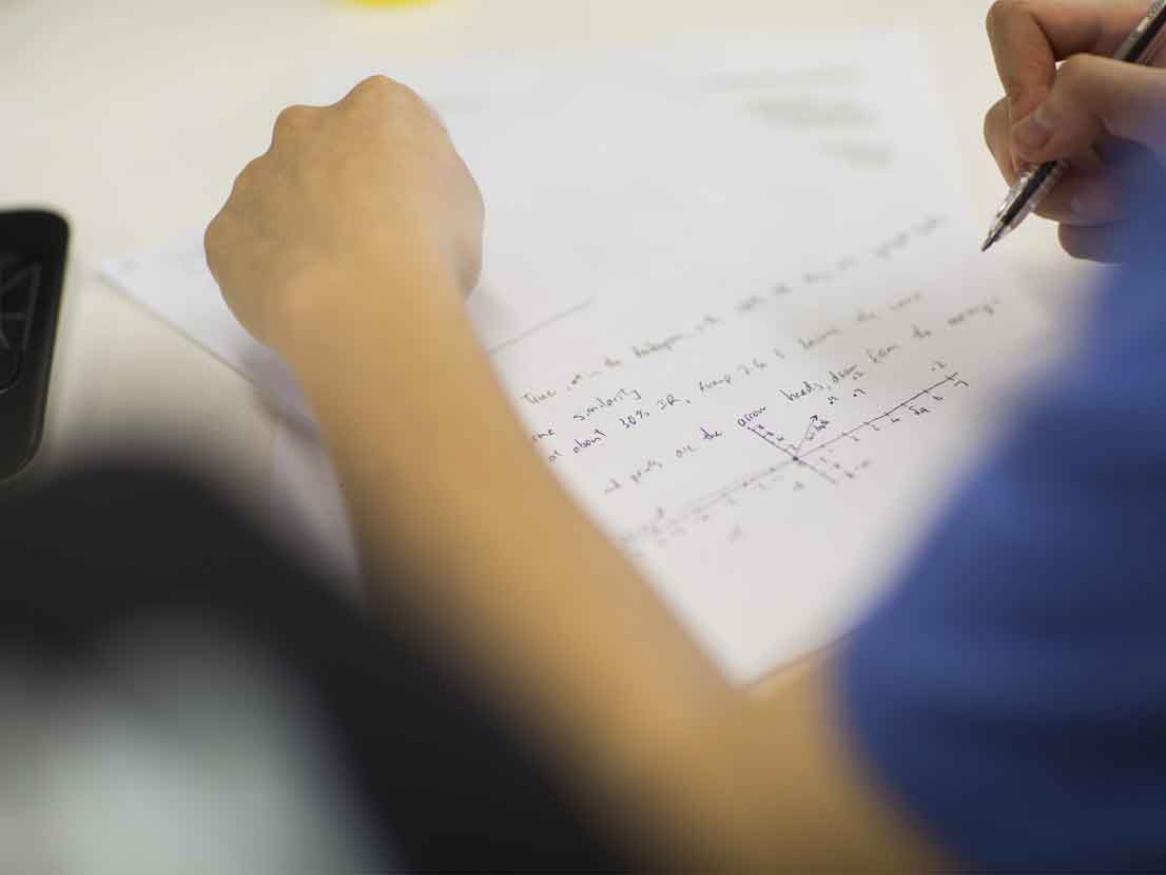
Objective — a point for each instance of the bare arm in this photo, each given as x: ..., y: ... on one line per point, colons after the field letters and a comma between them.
x: 348, y: 247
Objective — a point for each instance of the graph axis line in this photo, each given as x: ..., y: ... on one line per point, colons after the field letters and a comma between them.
x: 886, y: 413
x: 794, y: 457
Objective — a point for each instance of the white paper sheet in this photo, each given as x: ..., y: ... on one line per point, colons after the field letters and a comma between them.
x: 735, y: 300
x: 174, y: 282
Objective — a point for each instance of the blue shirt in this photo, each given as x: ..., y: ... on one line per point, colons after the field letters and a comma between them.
x: 1011, y: 692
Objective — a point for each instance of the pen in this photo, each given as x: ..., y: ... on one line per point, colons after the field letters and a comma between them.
x: 1032, y: 185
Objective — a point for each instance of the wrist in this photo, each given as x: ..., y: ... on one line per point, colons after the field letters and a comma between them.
x: 329, y: 314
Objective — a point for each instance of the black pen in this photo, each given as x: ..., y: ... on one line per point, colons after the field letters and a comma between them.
x: 1032, y: 186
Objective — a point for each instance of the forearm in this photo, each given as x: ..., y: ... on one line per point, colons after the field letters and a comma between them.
x: 444, y: 491
x: 443, y: 486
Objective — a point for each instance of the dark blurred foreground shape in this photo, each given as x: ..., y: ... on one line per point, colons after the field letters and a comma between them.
x: 33, y: 247
x: 180, y: 696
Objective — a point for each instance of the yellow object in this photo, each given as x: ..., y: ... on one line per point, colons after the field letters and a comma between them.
x: 391, y: 2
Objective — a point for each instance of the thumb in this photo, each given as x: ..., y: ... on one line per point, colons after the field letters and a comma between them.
x: 1092, y: 96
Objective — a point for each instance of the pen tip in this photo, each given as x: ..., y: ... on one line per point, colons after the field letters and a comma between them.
x: 987, y: 243
x: 993, y: 235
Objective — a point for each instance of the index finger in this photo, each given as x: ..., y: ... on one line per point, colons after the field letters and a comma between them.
x: 1029, y: 36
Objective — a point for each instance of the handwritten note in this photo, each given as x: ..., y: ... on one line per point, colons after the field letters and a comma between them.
x: 737, y: 304
x: 768, y: 457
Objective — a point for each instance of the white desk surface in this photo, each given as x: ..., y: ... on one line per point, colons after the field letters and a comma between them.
x: 133, y: 116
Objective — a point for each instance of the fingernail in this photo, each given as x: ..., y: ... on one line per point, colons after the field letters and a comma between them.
x: 1033, y: 132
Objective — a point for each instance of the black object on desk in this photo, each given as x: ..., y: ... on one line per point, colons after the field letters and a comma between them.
x: 33, y: 245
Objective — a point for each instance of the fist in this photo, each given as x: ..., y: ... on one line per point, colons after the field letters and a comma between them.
x: 349, y: 198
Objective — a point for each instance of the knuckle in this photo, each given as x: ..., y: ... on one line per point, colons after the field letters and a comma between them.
x: 378, y: 81
x: 395, y: 94
x: 404, y: 97
x: 213, y: 241
x: 291, y: 119
x: 245, y: 181
x: 1000, y: 12
x: 376, y: 87
x: 995, y: 122
x: 1074, y: 71
x: 210, y: 237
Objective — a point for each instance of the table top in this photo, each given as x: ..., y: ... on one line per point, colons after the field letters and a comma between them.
x: 133, y: 118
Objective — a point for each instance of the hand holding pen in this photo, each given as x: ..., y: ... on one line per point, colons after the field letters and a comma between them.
x: 1052, y: 133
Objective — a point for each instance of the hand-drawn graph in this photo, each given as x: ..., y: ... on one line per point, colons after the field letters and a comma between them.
x: 812, y: 452
x: 801, y: 454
